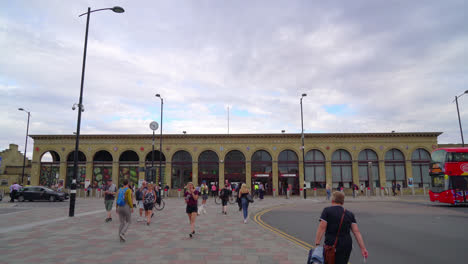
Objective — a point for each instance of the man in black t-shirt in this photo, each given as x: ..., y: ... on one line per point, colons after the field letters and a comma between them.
x: 330, y: 224
x: 109, y: 195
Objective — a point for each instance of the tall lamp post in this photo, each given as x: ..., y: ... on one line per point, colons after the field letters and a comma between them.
x: 116, y: 9
x: 459, y: 120
x: 160, y: 144
x: 303, y: 154
x: 25, y: 145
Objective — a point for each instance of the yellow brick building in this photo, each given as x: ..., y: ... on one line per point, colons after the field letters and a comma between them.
x: 338, y: 159
x: 11, y: 168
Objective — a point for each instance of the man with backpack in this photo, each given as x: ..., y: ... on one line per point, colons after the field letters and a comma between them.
x: 109, y: 196
x: 124, y: 208
x: 139, y: 198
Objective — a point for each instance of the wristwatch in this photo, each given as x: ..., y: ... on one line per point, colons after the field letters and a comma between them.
x: 317, y: 244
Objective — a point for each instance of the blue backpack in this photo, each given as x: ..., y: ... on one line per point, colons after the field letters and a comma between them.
x: 121, y: 197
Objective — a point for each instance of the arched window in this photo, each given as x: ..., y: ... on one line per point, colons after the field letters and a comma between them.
x: 261, y: 169
x: 234, y: 167
x: 208, y: 167
x: 181, y: 169
x: 81, y: 176
x: 368, y: 163
x: 315, y: 169
x: 128, y: 167
x: 342, y: 171
x: 50, y: 169
x: 288, y: 166
x: 395, y: 168
x: 420, y: 161
x: 102, y: 168
x: 156, y: 156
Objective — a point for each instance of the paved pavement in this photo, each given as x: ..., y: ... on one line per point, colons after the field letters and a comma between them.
x: 40, y: 232
x: 411, y: 230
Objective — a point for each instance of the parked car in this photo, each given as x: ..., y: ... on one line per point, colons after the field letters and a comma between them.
x: 32, y: 193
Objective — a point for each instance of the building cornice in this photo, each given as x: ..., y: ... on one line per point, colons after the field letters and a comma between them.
x: 235, y: 136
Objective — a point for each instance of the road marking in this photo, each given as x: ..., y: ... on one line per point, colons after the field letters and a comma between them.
x: 258, y: 220
x: 45, y: 222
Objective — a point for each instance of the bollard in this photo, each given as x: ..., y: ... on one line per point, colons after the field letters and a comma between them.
x: 401, y: 191
x: 301, y: 192
x: 287, y: 194
x: 178, y: 191
x: 274, y: 192
x: 424, y: 190
x: 315, y: 192
x: 412, y: 190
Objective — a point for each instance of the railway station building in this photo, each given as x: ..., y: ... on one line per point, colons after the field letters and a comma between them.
x: 337, y: 159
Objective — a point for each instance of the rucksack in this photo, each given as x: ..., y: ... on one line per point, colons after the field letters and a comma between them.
x: 139, y: 195
x: 121, y: 196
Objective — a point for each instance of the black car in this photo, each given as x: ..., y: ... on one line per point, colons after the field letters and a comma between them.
x: 32, y: 193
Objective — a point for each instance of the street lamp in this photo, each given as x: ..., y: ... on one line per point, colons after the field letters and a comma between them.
x: 25, y: 145
x: 71, y: 211
x: 160, y: 143
x: 459, y: 121
x: 303, y: 154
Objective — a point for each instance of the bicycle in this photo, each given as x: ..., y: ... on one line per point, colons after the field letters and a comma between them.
x: 232, y: 200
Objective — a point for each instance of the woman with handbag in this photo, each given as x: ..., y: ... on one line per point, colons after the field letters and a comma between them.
x: 243, y: 195
x: 336, y: 223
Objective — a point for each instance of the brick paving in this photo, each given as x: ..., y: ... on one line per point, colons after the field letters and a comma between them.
x: 81, y: 239
x: 41, y: 232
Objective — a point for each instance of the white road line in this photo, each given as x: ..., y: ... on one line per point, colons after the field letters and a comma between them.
x: 45, y: 222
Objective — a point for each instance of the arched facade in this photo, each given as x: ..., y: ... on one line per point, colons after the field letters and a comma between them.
x: 246, y: 144
x: 208, y: 168
x: 102, y: 168
x: 50, y: 168
x: 368, y: 168
x: 262, y: 170
x: 315, y: 168
x: 420, y: 161
x: 234, y: 167
x: 152, y: 160
x: 181, y: 169
x: 288, y: 172
x: 128, y: 167
x: 342, y: 171
x: 395, y: 170
x: 81, y: 176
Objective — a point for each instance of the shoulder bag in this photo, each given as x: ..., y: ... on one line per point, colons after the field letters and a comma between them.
x: 329, y: 251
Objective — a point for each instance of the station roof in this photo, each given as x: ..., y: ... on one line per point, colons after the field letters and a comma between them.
x: 266, y: 135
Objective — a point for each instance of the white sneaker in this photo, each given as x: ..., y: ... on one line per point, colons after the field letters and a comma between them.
x: 245, y: 221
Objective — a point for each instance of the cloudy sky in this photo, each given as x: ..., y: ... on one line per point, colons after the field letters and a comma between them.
x: 366, y: 66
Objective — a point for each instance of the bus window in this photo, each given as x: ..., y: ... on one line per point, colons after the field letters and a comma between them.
x: 439, y: 156
x: 457, y: 157
x: 460, y: 182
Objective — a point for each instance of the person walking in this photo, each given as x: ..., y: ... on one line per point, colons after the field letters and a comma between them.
x: 109, y: 195
x: 14, y: 189
x: 224, y: 195
x: 149, y: 197
x: 243, y: 192
x: 336, y: 223
x: 124, y: 208
x: 328, y: 188
x: 139, y: 200
x: 261, y: 190
x: 393, y: 189
x: 204, y: 193
x: 191, y: 199
x: 362, y: 189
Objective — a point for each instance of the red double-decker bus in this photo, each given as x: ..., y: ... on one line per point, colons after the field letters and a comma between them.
x: 449, y: 175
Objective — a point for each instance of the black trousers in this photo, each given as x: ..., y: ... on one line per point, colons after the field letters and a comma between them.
x: 12, y: 195
x: 342, y: 255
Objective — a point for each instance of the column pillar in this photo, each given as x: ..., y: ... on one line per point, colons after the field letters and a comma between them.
x: 274, y: 169
x: 382, y: 175
x: 35, y: 173
x: 89, y: 172
x: 221, y: 175
x: 115, y: 173
x: 409, y: 170
x: 63, y: 171
x: 195, y: 173
x: 355, y: 169
x: 328, y: 173
x: 167, y: 173
x: 248, y: 173
x: 301, y: 175
x: 141, y: 174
